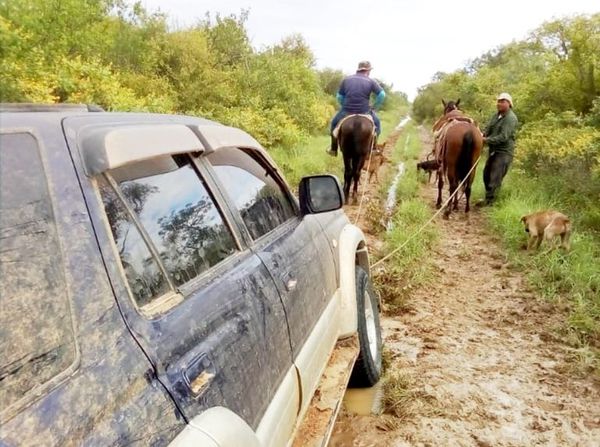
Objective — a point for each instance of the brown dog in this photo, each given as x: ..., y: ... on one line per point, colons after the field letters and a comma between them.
x: 377, y: 159
x: 547, y: 225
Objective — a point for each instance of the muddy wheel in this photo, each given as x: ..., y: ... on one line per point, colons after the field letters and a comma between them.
x: 367, y: 369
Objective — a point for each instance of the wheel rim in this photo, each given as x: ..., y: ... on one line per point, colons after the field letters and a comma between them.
x: 371, y: 325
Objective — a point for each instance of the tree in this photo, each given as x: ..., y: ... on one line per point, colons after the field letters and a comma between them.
x: 330, y: 80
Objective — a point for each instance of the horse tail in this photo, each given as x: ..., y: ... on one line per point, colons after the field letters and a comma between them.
x: 465, y: 159
x: 357, y: 132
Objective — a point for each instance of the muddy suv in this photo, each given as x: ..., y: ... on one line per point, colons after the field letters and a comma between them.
x: 162, y: 285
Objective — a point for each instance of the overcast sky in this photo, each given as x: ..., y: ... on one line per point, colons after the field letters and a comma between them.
x: 407, y: 41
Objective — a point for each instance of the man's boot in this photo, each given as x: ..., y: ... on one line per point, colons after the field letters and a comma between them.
x: 334, y: 147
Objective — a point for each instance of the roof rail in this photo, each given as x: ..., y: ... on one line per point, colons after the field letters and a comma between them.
x: 62, y: 107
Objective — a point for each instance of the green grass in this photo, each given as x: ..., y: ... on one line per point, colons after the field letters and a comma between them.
x: 308, y: 158
x: 399, y: 395
x: 406, y: 270
x: 403, y: 399
x: 570, y: 279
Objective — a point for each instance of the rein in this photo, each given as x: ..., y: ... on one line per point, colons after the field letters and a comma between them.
x: 416, y: 233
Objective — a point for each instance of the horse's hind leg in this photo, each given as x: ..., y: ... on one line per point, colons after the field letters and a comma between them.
x: 438, y: 203
x: 467, y: 196
x: 451, y: 190
x: 355, y: 187
x: 347, y: 179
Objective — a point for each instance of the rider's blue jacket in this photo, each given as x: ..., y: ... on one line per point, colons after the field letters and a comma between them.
x: 355, y: 91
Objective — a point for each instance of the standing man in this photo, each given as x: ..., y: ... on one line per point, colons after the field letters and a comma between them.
x: 353, y: 95
x: 500, y: 138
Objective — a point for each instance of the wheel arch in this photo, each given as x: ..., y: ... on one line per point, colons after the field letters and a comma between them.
x: 352, y: 252
x: 216, y: 427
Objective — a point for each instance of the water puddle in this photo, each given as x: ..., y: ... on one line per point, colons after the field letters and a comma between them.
x: 364, y: 401
x: 402, y: 123
x: 390, y: 203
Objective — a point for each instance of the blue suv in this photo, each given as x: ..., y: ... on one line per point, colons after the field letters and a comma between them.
x: 161, y: 285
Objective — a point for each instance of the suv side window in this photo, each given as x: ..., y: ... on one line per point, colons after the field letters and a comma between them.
x: 145, y: 278
x: 184, y: 227
x: 36, y: 331
x: 259, y: 197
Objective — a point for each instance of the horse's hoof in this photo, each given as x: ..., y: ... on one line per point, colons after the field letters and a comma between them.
x: 438, y: 206
x: 446, y: 216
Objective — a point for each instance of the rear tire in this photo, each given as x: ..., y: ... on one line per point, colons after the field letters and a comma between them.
x: 367, y: 369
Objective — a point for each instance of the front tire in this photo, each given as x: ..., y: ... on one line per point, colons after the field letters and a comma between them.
x: 367, y: 369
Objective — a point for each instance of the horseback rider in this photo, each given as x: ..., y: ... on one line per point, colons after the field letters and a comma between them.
x: 353, y: 95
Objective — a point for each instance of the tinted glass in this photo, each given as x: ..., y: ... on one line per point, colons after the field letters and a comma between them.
x: 260, y: 199
x: 144, y: 276
x: 178, y: 213
x: 36, y: 332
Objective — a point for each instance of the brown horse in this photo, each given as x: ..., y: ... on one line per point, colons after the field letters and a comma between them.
x: 356, y: 139
x: 450, y: 110
x: 461, y: 148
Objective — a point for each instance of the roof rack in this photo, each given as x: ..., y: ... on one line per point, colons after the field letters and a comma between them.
x: 62, y: 107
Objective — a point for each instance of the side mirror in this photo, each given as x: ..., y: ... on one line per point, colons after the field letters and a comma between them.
x: 319, y: 194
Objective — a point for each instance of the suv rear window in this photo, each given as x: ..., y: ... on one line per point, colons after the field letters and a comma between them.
x: 36, y: 331
x: 184, y: 227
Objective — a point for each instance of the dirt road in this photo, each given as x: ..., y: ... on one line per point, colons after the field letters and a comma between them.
x: 476, y: 358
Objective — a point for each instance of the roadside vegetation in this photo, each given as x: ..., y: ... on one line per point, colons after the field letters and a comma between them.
x: 120, y: 56
x: 408, y: 268
x: 554, y: 77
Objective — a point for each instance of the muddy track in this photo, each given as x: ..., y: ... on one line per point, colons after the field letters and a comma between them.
x: 371, y: 199
x: 479, y: 357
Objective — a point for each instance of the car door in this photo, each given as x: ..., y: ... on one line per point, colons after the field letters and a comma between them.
x: 293, y: 248
x: 202, y: 305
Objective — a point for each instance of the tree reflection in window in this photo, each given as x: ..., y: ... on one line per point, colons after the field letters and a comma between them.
x: 177, y: 212
x: 260, y: 199
x: 194, y: 239
x: 144, y: 276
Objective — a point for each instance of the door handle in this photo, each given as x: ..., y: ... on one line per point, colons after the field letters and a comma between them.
x: 291, y: 284
x: 199, y: 374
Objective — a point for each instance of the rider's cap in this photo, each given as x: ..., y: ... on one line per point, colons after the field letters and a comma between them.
x: 364, y: 66
x: 505, y: 96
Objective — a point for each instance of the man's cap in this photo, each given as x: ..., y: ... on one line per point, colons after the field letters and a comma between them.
x: 364, y: 66
x: 505, y: 96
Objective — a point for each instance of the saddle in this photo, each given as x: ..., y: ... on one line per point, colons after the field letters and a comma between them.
x: 439, y: 135
x: 339, y: 126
